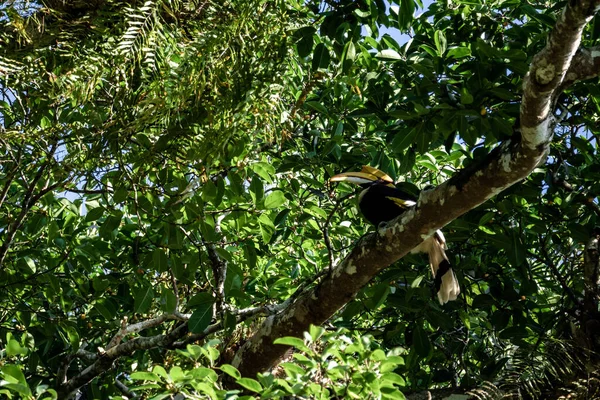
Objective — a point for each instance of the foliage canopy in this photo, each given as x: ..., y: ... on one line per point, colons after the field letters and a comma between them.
x: 164, y: 167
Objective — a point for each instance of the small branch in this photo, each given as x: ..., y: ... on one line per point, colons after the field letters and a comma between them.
x: 219, y: 267
x: 585, y: 65
x: 61, y: 375
x: 125, y: 390
x: 9, y: 179
x: 175, y: 290
x: 28, y: 202
x: 106, y: 358
x: 241, y: 315
x: 325, y: 228
x: 140, y: 326
x: 549, y: 68
x: 88, y: 191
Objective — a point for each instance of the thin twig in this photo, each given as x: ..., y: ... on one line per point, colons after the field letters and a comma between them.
x: 325, y: 228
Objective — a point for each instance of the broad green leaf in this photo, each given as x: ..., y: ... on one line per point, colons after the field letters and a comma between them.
x: 458, y: 52
x: 170, y: 300
x: 421, y: 342
x: 14, y: 372
x: 111, y: 223
x: 264, y: 170
x: 160, y: 260
x: 176, y: 373
x: 143, y: 299
x: 250, y: 384
x: 292, y: 341
x: 274, y: 199
x: 145, y: 376
x: 200, y: 298
x: 94, y: 214
x: 267, y: 229
x: 231, y: 371
x: 403, y: 140
x: 514, y: 332
x: 315, y: 105
x: 440, y: 42
x: 201, y: 318
x: 305, y: 44
x: 406, y: 14
x: 315, y: 332
x: 388, y: 54
x: 321, y: 57
x: 393, y: 378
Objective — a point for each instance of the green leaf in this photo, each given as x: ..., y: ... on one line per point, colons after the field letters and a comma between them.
x: 264, y: 170
x: 316, y: 332
x: 514, y: 332
x: 377, y: 295
x: 250, y: 384
x: 267, y: 229
x: 200, y: 298
x: 315, y: 105
x: 440, y: 42
x: 406, y: 14
x: 388, y: 54
x: 201, y: 318
x: 465, y: 96
x: 145, y: 376
x: 275, y: 199
x: 321, y: 57
x: 16, y: 387
x: 231, y: 371
x: 195, y: 352
x: 176, y: 373
x: 73, y: 336
x: 143, y: 299
x: 13, y: 371
x: 110, y: 224
x: 393, y: 378
x: 160, y: 260
x: 45, y: 122
x: 106, y: 308
x: 170, y: 300
x: 292, y: 341
x: 402, y: 140
x: 94, y: 214
x: 421, y: 342
x: 458, y: 52
x: 305, y: 44
x: 516, y: 250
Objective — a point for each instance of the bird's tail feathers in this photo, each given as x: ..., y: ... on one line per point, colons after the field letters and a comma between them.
x: 444, y: 277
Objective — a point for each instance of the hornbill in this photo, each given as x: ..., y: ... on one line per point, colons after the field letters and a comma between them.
x: 381, y: 201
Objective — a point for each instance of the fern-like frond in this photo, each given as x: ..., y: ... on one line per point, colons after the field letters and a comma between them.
x: 8, y: 66
x: 140, y: 24
x: 531, y: 371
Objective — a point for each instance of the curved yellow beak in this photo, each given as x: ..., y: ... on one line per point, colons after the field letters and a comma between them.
x: 366, y: 175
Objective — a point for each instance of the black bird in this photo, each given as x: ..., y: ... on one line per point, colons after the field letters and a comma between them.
x: 381, y: 201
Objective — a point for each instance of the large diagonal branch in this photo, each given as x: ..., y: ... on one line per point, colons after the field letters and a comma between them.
x: 506, y: 165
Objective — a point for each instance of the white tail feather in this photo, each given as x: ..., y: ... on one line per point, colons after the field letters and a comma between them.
x: 448, y: 288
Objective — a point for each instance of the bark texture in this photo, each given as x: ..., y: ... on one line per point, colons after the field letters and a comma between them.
x: 507, y: 164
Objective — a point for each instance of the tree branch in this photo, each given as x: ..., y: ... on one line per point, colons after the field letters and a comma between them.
x: 503, y: 167
x: 548, y: 69
x: 585, y: 65
x: 106, y: 358
x: 219, y: 267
